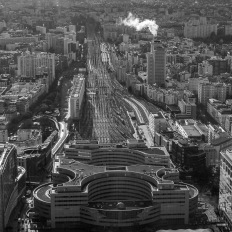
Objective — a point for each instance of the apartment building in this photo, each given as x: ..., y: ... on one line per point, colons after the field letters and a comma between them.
x: 32, y: 64
x: 7, y: 39
x: 187, y: 108
x: 219, y: 65
x: 205, y: 68
x: 157, y: 122
x: 207, y: 91
x: 199, y: 28
x: 218, y: 111
x: 194, y: 82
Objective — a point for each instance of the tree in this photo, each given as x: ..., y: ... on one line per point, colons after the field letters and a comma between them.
x: 44, y: 122
x: 27, y: 115
x: 51, y: 50
x: 27, y: 124
x: 16, y: 120
x: 44, y: 107
x: 213, y: 35
x: 109, y: 40
x: 48, y: 101
x: 12, y: 72
x: 36, y: 109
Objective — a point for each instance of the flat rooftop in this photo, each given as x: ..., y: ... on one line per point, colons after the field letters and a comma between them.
x: 191, y: 131
x: 158, y: 115
x: 44, y: 193
x: 155, y: 151
x: 228, y: 154
x: 144, y: 168
x: 221, y: 140
x: 83, y: 170
x: 203, y: 128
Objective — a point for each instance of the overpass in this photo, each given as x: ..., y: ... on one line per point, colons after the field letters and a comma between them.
x: 63, y: 135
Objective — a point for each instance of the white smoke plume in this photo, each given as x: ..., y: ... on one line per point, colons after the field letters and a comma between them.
x: 132, y: 21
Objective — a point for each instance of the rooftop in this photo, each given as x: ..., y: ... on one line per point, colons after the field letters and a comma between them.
x: 43, y: 192
x: 158, y: 115
x: 221, y: 140
x: 155, y: 151
x: 191, y: 131
x: 78, y: 84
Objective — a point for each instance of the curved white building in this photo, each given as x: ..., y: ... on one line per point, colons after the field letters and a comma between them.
x: 117, y: 192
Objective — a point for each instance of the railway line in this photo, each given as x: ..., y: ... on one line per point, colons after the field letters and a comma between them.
x: 139, y: 116
x: 107, y: 103
x: 104, y: 116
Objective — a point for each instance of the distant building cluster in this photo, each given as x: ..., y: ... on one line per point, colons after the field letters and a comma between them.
x: 65, y: 42
x: 185, y: 71
x: 199, y: 28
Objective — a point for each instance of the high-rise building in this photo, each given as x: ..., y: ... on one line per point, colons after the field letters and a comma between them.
x: 156, y: 64
x: 207, y: 91
x: 31, y: 64
x: 10, y: 176
x: 225, y: 187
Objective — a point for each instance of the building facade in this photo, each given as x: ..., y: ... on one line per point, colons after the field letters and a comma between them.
x: 156, y: 64
x: 199, y: 28
x: 187, y: 108
x: 32, y: 64
x: 122, y: 193
x: 77, y: 95
x: 225, y: 187
x: 157, y: 122
x: 10, y: 176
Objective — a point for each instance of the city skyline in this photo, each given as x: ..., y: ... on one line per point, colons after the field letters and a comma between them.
x: 115, y: 115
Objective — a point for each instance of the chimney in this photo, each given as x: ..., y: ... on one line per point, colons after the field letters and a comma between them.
x: 152, y: 45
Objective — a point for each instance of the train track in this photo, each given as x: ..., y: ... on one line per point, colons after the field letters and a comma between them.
x: 104, y: 116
